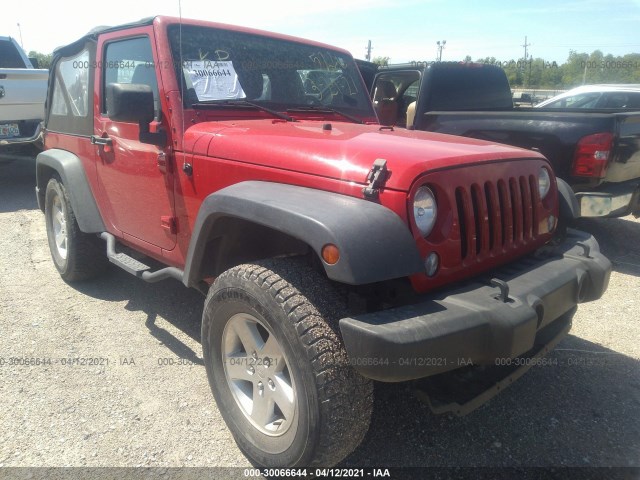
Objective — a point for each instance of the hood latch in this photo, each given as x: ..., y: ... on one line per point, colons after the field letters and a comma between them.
x: 376, y: 178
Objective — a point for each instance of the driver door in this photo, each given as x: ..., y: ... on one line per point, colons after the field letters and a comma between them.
x: 134, y: 176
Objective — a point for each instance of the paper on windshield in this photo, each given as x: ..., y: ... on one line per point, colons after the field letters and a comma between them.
x: 214, y: 80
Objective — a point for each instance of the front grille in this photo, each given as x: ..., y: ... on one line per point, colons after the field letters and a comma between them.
x: 497, y: 217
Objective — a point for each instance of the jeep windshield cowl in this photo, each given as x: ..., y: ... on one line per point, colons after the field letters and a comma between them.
x: 217, y: 67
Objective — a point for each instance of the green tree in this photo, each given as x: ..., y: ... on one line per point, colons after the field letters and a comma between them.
x: 44, y: 59
x: 630, y: 70
x: 488, y: 60
x: 573, y: 69
x: 551, y: 76
x: 382, y: 61
x: 579, y: 68
x: 514, y: 71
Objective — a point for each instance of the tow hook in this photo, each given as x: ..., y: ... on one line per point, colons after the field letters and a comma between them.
x: 586, y: 249
x: 504, y: 289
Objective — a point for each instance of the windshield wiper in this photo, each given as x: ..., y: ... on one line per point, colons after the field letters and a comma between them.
x: 241, y: 102
x: 319, y: 109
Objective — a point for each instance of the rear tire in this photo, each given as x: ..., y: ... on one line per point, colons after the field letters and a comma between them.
x: 297, y: 402
x: 77, y: 255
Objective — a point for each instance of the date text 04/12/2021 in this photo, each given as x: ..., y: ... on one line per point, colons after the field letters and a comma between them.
x: 411, y: 361
x: 317, y: 472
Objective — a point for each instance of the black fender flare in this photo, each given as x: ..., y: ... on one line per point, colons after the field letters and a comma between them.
x: 71, y: 171
x: 374, y: 243
x: 569, y: 206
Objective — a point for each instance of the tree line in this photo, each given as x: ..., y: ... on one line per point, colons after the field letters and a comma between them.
x: 579, y: 69
x: 44, y: 59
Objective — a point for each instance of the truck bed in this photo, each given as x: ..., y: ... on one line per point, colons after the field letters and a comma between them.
x: 552, y: 132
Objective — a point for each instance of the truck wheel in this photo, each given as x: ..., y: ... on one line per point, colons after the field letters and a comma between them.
x: 277, y: 366
x: 76, y: 255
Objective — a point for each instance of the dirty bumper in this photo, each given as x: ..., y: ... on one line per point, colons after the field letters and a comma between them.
x: 499, y: 316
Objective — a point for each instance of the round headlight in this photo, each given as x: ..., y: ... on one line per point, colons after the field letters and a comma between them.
x: 424, y: 210
x: 544, y: 182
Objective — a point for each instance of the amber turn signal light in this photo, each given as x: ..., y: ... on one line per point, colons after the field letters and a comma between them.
x: 330, y: 254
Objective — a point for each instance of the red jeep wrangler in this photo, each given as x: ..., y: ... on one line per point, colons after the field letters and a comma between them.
x: 332, y: 251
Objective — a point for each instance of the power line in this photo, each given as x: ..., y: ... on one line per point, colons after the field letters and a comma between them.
x: 598, y: 45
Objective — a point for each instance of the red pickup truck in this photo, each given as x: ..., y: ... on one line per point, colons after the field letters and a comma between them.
x: 332, y: 250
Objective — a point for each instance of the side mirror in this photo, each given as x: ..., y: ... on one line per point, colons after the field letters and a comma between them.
x: 132, y: 102
x: 34, y: 62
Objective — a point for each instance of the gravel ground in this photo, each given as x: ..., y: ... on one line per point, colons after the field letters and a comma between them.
x: 147, y: 402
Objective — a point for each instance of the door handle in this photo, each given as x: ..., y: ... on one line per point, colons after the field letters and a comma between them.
x: 104, y: 141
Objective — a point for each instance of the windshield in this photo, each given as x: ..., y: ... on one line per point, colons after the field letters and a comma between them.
x: 221, y: 65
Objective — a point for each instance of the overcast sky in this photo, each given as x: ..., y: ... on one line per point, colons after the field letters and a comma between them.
x: 402, y: 30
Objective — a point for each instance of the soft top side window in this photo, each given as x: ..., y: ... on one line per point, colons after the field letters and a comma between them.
x: 70, y: 110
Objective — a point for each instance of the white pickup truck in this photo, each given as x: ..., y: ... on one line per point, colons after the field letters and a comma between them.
x: 23, y: 90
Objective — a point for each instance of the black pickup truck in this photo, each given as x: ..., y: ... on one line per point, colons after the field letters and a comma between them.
x: 597, y: 152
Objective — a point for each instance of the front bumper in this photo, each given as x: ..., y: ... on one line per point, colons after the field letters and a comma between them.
x: 611, y: 200
x: 473, y: 324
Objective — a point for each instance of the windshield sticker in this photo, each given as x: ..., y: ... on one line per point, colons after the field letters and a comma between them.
x: 214, y: 80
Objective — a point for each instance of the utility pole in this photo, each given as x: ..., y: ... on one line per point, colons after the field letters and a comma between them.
x: 524, y: 65
x: 369, y: 48
x: 525, y: 49
x: 440, y: 48
x: 20, y: 31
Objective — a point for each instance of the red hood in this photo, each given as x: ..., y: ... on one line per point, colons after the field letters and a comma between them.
x: 345, y: 152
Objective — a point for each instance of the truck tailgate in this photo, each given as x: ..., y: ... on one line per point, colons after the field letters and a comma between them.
x: 22, y: 94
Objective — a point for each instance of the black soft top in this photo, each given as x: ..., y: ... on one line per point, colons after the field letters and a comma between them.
x: 92, y: 35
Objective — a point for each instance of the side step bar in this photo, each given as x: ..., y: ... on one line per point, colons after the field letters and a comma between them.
x: 135, y: 267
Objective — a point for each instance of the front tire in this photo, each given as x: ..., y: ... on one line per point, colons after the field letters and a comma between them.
x: 277, y: 366
x: 76, y: 255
